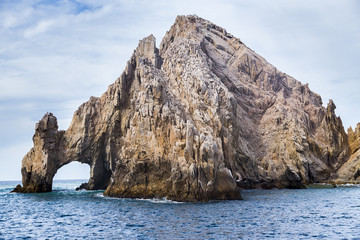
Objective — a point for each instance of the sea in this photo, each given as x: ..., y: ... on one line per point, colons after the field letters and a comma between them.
x: 316, y: 213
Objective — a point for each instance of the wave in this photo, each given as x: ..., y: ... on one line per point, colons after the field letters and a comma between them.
x: 151, y: 200
x: 158, y: 200
x: 348, y: 185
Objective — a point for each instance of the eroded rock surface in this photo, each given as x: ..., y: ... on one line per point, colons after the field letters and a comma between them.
x: 350, y: 170
x: 197, y: 119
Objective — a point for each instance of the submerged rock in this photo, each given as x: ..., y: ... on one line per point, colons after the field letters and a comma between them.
x: 83, y: 186
x: 198, y: 119
x: 18, y: 188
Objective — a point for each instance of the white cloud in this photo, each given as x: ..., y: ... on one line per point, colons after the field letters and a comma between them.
x: 94, y: 15
x: 39, y: 28
x: 9, y: 21
x: 12, y: 18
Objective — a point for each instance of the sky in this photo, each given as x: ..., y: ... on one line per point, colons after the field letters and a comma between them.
x: 54, y: 55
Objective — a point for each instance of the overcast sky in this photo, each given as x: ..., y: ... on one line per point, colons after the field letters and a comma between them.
x: 54, y: 55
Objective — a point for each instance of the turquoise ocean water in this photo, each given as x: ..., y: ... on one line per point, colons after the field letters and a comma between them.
x: 263, y: 214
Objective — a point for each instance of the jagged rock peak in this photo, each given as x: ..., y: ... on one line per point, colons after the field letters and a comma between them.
x: 198, y: 119
x: 185, y: 24
x: 331, y: 106
x: 47, y: 123
x: 147, y: 49
x: 192, y: 27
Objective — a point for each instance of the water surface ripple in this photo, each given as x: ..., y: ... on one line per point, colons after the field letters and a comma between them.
x: 263, y: 214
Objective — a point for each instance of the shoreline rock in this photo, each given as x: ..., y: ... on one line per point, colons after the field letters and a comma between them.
x: 83, y: 186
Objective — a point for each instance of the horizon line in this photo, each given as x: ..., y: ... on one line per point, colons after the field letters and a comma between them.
x: 53, y: 180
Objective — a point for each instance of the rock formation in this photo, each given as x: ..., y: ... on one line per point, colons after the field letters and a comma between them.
x: 350, y: 170
x: 354, y: 138
x: 197, y: 119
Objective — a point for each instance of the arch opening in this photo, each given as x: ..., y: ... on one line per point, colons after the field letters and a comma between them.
x: 73, y: 173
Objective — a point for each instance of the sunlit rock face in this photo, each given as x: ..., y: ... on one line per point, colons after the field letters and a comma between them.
x: 197, y: 119
x: 350, y: 170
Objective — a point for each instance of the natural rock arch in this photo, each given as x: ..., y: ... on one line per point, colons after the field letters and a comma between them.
x: 50, y: 153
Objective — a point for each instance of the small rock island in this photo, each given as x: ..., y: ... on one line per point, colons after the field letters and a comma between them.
x: 198, y: 119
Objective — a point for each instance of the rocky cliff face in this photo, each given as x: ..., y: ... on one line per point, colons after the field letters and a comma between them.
x: 350, y: 170
x: 197, y: 119
x: 354, y: 138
